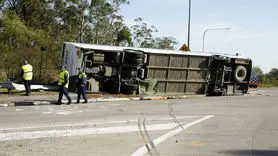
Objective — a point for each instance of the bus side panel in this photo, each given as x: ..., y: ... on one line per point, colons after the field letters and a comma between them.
x: 72, y: 59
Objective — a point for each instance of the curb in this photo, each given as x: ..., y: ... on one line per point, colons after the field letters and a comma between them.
x: 135, y: 98
x: 4, y: 105
x: 154, y: 98
x: 41, y: 103
x: 111, y: 99
x: 177, y: 97
x: 92, y: 100
x: 101, y: 99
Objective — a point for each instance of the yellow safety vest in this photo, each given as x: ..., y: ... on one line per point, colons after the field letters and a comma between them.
x: 82, y: 75
x: 62, y: 78
x: 28, y: 72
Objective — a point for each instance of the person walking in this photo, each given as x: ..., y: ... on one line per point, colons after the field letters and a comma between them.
x: 63, y: 84
x: 81, y: 85
x: 27, y: 75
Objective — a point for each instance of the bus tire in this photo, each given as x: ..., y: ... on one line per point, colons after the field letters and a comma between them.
x: 240, y: 73
x: 133, y: 60
x: 134, y: 53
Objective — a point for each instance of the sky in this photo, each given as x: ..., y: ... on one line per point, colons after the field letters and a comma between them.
x: 253, y: 23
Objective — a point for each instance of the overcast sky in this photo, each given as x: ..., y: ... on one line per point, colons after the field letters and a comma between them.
x: 253, y: 23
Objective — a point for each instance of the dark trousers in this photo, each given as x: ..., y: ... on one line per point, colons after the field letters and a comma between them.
x: 63, y: 91
x: 27, y: 85
x: 81, y: 91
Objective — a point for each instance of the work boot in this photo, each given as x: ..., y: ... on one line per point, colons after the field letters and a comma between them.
x: 85, y: 101
x: 58, y: 103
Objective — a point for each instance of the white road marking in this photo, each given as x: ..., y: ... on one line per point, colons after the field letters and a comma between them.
x: 94, y: 123
x: 68, y: 112
x: 46, y: 113
x: 19, y: 110
x: 78, y: 132
x: 115, y: 104
x: 36, y: 107
x: 64, y: 113
x: 142, y: 150
x: 50, y: 108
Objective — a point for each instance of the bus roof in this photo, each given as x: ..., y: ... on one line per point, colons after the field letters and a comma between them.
x: 148, y: 50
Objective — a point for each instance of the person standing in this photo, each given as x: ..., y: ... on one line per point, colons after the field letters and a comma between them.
x: 63, y: 84
x: 81, y: 85
x: 27, y: 75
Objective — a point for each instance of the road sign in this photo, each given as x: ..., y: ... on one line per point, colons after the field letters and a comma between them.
x: 184, y: 48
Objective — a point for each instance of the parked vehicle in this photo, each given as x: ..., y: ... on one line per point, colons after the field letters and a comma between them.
x: 255, y: 79
x: 122, y: 69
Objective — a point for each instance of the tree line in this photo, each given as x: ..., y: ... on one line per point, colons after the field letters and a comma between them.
x: 269, y: 79
x: 35, y: 30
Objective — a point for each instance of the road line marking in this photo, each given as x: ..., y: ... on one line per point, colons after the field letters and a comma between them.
x: 94, y: 123
x: 65, y: 113
x: 46, y: 113
x: 79, y: 132
x: 19, y: 110
x: 142, y: 150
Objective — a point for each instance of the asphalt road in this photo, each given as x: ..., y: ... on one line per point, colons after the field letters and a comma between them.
x: 237, y: 125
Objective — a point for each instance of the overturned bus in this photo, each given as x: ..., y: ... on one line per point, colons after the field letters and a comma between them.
x: 129, y: 70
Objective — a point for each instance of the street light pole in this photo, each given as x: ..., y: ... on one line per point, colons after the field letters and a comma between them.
x: 189, y: 24
x: 204, y: 34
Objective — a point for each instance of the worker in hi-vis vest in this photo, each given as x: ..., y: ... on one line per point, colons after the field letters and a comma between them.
x: 81, y: 85
x: 27, y: 75
x: 63, y: 84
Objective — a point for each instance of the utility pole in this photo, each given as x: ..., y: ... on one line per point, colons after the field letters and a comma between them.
x: 189, y: 24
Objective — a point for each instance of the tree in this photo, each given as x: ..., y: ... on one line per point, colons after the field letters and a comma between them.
x: 37, y: 29
x: 34, y: 25
x: 165, y: 43
x: 124, y: 37
x: 142, y: 34
x: 271, y: 79
x: 13, y: 37
x: 105, y: 21
x: 273, y: 73
x: 19, y: 43
x: 258, y: 70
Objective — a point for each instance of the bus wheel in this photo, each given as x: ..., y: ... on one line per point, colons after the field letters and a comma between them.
x: 240, y: 73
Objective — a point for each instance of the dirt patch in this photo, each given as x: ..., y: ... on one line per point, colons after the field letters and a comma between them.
x: 94, y: 95
x: 110, y: 95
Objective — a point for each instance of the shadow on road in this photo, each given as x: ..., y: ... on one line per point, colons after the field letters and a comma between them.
x: 25, y: 103
x: 252, y: 152
x: 36, y: 102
